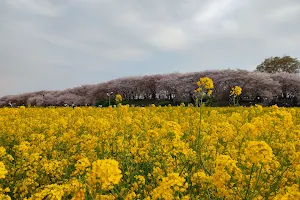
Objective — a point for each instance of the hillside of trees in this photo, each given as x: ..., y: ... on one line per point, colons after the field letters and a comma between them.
x: 174, y: 88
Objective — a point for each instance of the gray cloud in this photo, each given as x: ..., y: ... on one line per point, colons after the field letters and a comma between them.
x: 52, y: 44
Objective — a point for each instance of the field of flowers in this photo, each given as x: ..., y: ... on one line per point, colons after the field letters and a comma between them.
x: 150, y: 153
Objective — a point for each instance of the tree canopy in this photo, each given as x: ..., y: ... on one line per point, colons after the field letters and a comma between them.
x: 279, y: 64
x: 172, y: 88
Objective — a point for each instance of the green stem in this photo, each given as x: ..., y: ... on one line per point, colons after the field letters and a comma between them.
x: 257, y: 180
x: 118, y: 193
x: 248, y: 187
x: 233, y: 100
x: 199, y: 130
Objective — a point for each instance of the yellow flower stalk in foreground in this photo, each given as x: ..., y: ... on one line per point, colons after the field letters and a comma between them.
x: 106, y: 173
x: 236, y: 91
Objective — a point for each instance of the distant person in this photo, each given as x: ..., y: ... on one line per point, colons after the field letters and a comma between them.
x: 10, y: 104
x: 73, y: 105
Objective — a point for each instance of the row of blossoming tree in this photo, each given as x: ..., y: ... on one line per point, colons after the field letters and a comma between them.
x: 175, y: 88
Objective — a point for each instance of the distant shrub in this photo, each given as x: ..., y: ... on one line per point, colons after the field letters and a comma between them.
x: 164, y: 103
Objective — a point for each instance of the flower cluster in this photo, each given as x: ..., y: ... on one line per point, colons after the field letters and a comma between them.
x: 118, y: 98
x: 204, y: 90
x: 3, y: 173
x: 258, y: 152
x: 236, y: 91
x: 106, y: 173
x: 205, y: 85
x: 169, y: 186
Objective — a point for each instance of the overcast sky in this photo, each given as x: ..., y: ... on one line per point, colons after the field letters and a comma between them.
x: 58, y: 44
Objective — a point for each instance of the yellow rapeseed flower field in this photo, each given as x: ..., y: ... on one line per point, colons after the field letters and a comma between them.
x: 150, y: 153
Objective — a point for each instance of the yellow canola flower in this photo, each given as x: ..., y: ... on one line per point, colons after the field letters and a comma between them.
x: 141, y: 179
x: 4, y: 197
x: 54, y: 191
x: 289, y: 193
x: 200, y: 179
x: 209, y: 92
x: 258, y: 152
x: 119, y: 98
x: 168, y: 186
x: 130, y: 196
x: 236, y: 91
x: 81, y: 166
x: 206, y: 86
x: 106, y: 197
x: 2, y: 151
x: 225, y: 162
x: 3, y: 171
x: 206, y: 82
x: 105, y: 172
